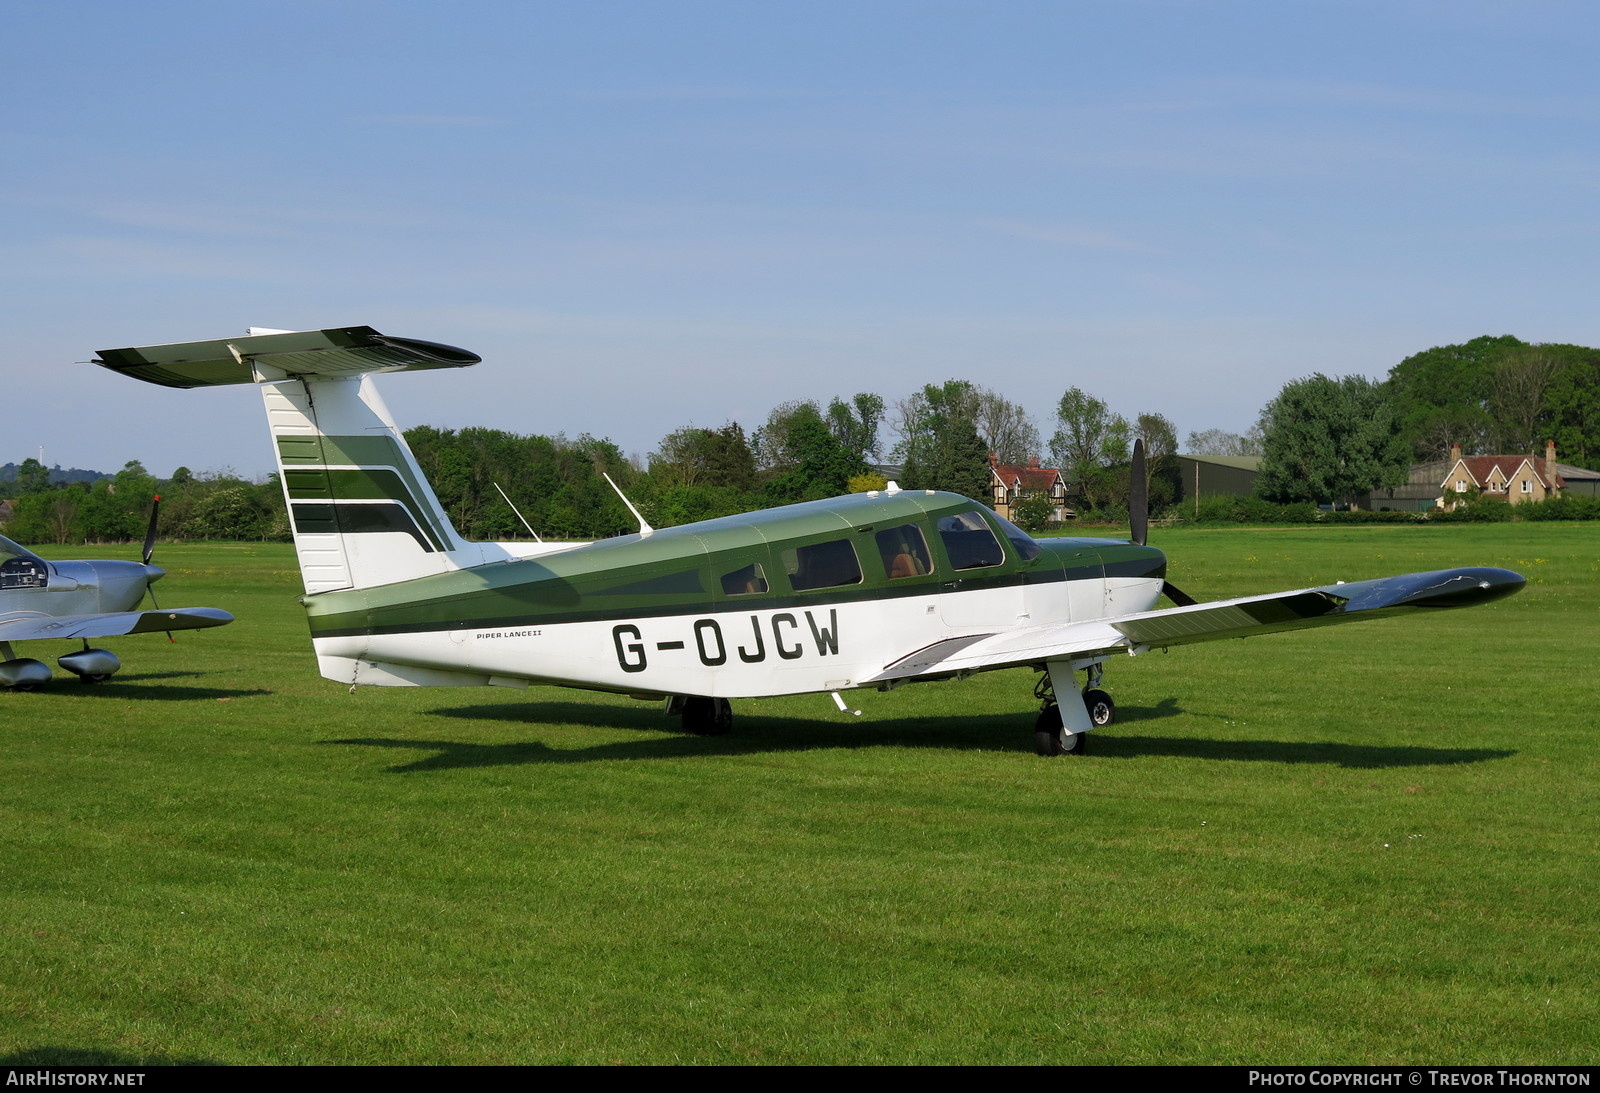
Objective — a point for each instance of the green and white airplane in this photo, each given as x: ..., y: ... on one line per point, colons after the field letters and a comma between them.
x: 873, y: 590
x: 79, y: 600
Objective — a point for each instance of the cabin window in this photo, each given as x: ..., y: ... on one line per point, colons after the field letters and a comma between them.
x: 822, y: 565
x: 745, y: 582
x: 969, y: 542
x: 904, y: 552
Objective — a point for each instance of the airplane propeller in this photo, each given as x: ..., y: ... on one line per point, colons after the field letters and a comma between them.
x: 1139, y: 519
x: 150, y: 532
x: 153, y: 572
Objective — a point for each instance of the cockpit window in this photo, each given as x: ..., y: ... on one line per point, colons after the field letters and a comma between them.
x: 21, y: 567
x: 969, y: 542
x: 1027, y: 549
x: 8, y: 549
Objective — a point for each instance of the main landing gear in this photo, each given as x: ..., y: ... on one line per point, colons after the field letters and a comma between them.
x: 706, y: 716
x: 1051, y: 735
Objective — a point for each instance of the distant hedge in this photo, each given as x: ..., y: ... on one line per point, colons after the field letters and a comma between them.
x: 1253, y: 510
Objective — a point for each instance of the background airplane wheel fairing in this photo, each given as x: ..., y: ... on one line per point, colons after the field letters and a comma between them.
x: 1102, y: 711
x: 707, y: 716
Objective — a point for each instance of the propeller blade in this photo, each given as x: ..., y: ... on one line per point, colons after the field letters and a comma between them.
x: 1177, y: 595
x: 150, y: 533
x: 1138, y: 496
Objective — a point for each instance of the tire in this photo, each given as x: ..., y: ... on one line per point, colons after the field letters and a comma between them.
x: 707, y: 716
x: 1102, y: 711
x: 1050, y: 741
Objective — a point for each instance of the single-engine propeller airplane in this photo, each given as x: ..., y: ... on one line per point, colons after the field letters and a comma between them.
x: 872, y: 590
x: 82, y: 600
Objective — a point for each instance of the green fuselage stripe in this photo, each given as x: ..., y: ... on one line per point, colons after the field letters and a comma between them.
x: 527, y: 593
x: 337, y: 468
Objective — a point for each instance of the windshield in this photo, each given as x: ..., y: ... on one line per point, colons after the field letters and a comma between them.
x: 9, y: 550
x: 1027, y: 549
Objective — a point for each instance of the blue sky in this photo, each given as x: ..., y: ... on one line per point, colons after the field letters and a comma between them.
x: 647, y: 215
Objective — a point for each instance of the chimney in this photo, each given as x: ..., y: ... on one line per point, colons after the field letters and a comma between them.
x: 1033, y: 461
x: 1551, y: 475
x: 1455, y: 453
x: 994, y: 459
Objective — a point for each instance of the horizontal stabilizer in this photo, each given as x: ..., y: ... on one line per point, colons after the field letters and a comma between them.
x: 343, y: 351
x: 116, y: 624
x: 1244, y: 617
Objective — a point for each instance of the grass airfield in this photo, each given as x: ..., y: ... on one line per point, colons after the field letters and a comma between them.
x: 1366, y: 844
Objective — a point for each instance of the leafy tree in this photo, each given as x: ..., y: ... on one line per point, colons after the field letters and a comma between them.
x: 939, y: 440
x: 555, y: 482
x: 1006, y: 428
x: 1219, y: 443
x: 855, y: 424
x: 1573, y: 406
x: 692, y: 456
x: 1089, y: 441
x: 32, y: 477
x: 1033, y: 513
x: 823, y: 466
x: 1441, y: 395
x: 1160, y: 458
x: 1330, y: 440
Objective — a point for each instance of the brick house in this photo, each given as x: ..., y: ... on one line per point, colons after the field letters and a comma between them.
x: 1510, y: 478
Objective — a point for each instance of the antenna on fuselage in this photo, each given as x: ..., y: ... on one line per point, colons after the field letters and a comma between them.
x: 644, y: 525
x: 518, y: 511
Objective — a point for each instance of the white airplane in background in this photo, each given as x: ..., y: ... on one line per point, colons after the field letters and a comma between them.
x: 98, y: 598
x: 873, y: 590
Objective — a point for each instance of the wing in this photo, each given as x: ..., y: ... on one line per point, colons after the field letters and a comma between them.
x: 31, y: 627
x: 1238, y: 618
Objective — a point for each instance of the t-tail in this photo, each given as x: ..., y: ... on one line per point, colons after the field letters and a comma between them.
x: 361, y: 511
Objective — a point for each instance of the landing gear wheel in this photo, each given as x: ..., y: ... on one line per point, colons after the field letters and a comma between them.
x: 707, y: 716
x: 1102, y: 711
x: 95, y: 677
x: 1049, y: 740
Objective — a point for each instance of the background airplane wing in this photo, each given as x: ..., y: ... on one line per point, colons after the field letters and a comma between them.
x: 1237, y: 618
x: 31, y: 627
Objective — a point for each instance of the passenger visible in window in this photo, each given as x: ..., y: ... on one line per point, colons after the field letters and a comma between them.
x: 904, y: 552
x: 822, y: 565
x: 745, y: 582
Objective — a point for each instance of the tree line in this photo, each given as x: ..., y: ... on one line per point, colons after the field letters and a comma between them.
x: 1321, y: 439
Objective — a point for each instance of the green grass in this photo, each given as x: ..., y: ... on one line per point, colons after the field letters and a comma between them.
x: 1367, y: 844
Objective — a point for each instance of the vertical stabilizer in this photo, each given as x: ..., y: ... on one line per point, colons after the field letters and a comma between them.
x: 361, y: 511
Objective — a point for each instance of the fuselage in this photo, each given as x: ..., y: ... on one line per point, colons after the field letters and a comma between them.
x: 29, y: 585
x: 811, y: 597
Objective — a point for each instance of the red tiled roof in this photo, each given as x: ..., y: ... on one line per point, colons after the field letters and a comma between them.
x: 1028, y: 478
x: 1482, y: 466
